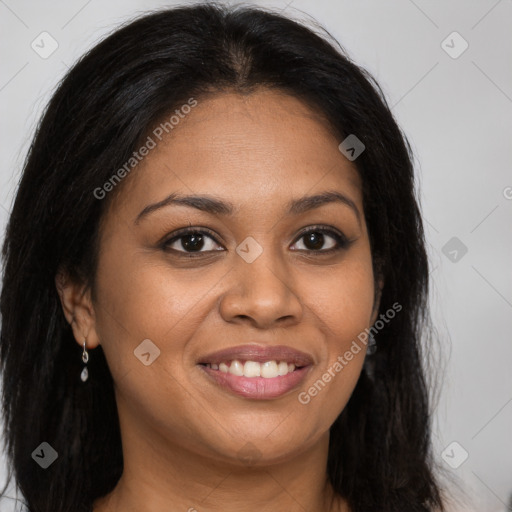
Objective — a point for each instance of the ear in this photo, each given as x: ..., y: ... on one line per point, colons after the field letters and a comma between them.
x: 78, y: 309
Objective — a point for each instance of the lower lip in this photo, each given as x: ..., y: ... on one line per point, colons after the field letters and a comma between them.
x: 258, y: 388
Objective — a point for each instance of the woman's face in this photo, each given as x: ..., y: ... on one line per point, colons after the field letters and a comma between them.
x: 254, y: 279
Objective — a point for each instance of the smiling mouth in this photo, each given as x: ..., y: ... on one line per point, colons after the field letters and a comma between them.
x: 251, y: 369
x: 260, y: 372
x: 258, y: 381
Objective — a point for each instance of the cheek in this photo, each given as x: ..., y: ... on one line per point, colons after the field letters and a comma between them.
x: 342, y: 299
x: 140, y: 300
x: 343, y: 305
x: 148, y: 301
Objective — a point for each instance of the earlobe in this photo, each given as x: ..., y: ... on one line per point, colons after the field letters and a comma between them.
x: 77, y: 308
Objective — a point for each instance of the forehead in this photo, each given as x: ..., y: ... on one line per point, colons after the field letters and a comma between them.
x: 263, y: 147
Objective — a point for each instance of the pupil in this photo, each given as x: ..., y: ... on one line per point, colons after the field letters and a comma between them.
x: 192, y: 242
x: 316, y: 239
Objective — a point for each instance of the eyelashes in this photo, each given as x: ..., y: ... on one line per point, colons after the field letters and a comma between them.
x: 195, y: 240
x: 339, y: 238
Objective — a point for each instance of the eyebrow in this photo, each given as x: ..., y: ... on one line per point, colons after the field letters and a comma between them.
x: 215, y: 206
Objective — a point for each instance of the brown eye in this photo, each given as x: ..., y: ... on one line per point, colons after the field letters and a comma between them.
x: 191, y: 241
x: 315, y: 240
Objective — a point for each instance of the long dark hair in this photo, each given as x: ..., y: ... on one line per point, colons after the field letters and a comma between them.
x: 379, y: 455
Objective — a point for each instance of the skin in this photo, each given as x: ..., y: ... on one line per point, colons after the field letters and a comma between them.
x: 181, y: 434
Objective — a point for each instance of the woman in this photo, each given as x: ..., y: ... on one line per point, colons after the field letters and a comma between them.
x: 215, y: 280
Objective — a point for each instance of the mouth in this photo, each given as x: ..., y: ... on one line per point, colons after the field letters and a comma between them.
x: 256, y: 372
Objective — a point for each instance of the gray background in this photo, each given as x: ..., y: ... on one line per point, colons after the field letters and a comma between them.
x: 457, y: 115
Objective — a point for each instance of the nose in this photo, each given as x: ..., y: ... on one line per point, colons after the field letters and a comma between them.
x: 261, y: 293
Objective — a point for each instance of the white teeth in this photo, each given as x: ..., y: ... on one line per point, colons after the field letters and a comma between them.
x: 267, y: 370
x: 236, y: 368
x: 252, y: 369
x: 282, y: 369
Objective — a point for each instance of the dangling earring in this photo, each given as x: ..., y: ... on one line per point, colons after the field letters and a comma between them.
x: 85, y: 357
x: 369, y: 363
x: 372, y: 345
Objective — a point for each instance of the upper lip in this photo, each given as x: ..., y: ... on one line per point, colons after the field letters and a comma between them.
x: 260, y: 354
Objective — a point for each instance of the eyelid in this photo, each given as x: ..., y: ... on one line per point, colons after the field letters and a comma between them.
x: 187, y: 231
x: 176, y: 235
x: 319, y: 228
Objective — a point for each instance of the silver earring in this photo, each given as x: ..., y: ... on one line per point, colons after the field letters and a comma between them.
x: 372, y: 345
x: 369, y: 362
x: 85, y: 357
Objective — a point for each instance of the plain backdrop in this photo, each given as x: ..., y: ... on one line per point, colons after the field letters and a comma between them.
x: 455, y: 105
